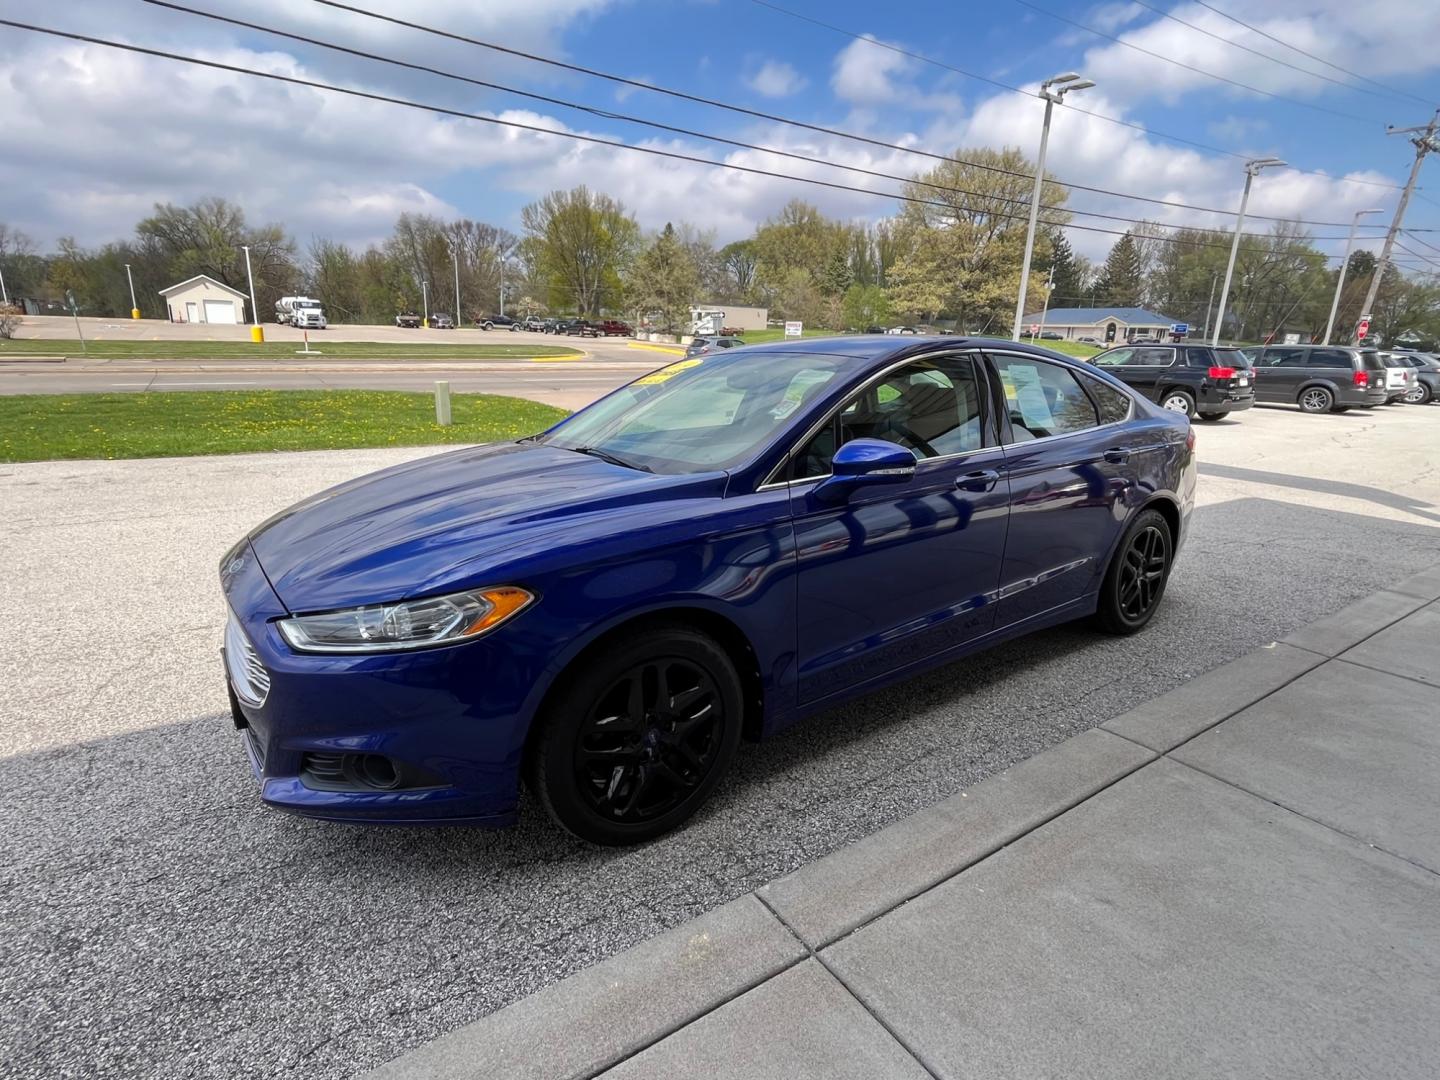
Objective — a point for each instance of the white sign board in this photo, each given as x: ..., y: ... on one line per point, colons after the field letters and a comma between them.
x: 1292, y: 339
x: 792, y: 329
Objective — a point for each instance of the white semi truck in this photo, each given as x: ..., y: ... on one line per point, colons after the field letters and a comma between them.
x: 301, y: 311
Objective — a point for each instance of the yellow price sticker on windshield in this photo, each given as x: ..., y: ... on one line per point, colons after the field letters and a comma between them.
x: 667, y: 372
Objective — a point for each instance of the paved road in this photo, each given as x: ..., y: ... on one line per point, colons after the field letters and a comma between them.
x: 159, y: 923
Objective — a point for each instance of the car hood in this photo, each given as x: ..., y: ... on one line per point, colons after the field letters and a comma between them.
x: 438, y: 523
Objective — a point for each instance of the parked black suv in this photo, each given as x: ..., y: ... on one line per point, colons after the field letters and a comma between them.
x: 1319, y: 378
x: 1194, y: 379
x: 489, y: 322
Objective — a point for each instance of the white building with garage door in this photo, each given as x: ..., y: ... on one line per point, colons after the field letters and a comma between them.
x: 202, y: 299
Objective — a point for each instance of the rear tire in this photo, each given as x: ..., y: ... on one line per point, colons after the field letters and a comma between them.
x: 1421, y: 395
x: 1139, y: 571
x: 1316, y: 399
x: 638, y: 736
x: 1178, y: 401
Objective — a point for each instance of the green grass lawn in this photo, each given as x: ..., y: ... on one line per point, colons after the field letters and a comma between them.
x: 275, y: 350
x: 42, y: 427
x: 777, y: 333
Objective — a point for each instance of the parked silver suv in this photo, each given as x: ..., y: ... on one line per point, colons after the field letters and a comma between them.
x: 1319, y: 378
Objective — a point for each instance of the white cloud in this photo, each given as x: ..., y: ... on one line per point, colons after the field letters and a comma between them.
x: 776, y: 79
x: 865, y: 71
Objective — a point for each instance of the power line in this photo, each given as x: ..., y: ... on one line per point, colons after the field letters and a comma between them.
x: 1015, y: 201
x: 1015, y: 89
x: 622, y: 80
x: 1302, y: 52
x: 1200, y: 71
x: 575, y: 136
x: 1263, y: 55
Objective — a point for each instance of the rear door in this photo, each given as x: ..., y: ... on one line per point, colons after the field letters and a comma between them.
x: 1070, y: 457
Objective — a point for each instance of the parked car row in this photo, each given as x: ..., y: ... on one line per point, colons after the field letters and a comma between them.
x: 1208, y: 383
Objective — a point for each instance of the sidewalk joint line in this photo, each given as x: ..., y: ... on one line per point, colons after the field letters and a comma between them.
x: 1304, y: 816
x: 1392, y: 674
x: 914, y: 1054
x: 987, y: 856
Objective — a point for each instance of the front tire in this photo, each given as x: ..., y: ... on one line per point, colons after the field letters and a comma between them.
x: 1419, y: 396
x: 1316, y: 399
x: 1135, y: 581
x: 637, y: 737
x: 1178, y: 401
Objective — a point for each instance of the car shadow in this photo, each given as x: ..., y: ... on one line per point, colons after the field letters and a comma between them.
x: 1378, y: 496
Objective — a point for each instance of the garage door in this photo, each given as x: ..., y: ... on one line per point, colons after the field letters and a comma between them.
x: 220, y: 311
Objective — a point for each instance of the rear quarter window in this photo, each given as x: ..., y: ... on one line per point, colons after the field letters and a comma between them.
x: 1112, y: 404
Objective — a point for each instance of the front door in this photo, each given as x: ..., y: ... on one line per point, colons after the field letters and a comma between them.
x: 1070, y: 460
x: 898, y: 573
x: 1281, y: 371
x: 192, y: 313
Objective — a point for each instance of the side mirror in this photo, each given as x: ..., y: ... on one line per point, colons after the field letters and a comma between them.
x: 863, y: 462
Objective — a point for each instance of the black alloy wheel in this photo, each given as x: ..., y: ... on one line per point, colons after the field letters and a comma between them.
x: 635, y: 741
x: 1136, y: 579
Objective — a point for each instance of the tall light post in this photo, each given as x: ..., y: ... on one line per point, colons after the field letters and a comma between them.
x: 502, y: 285
x: 1049, y: 288
x: 1052, y: 91
x: 256, y: 334
x: 1344, y: 269
x: 4, y: 296
x: 425, y: 302
x: 455, y: 255
x: 134, y: 307
x: 1252, y: 169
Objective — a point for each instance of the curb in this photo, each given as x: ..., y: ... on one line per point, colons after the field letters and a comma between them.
x: 586, y: 1024
x: 673, y: 350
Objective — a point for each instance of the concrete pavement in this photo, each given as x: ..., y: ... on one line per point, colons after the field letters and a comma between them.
x: 1240, y: 878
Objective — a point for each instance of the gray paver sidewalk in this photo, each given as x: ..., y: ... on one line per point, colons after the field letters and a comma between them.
x: 1239, y: 878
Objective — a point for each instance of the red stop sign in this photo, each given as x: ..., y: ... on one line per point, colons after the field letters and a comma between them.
x: 1362, y: 329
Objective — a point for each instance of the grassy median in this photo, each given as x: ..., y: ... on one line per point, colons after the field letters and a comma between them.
x: 422, y: 349
x: 42, y: 427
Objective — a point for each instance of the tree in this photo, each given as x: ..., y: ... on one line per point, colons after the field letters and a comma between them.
x: 739, y: 261
x: 960, y: 244
x: 800, y: 242
x: 866, y: 305
x: 664, y: 281
x: 21, y: 268
x: 1066, y: 273
x: 580, y: 243
x: 1122, y: 280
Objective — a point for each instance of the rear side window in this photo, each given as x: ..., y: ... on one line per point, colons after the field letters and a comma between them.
x: 1332, y: 358
x: 1043, y: 399
x: 1113, y: 404
x: 1229, y: 358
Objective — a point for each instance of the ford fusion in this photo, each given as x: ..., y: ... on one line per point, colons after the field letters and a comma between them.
x: 605, y: 610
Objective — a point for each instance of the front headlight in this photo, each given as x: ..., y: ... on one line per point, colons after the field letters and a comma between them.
x: 409, y: 624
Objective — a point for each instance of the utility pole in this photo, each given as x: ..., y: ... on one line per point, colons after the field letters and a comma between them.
x: 1344, y: 269
x: 1424, y: 144
x: 1209, y: 307
x: 1049, y: 288
x: 1252, y: 168
x: 1065, y: 83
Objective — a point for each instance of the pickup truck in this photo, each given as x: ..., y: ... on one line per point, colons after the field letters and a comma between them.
x: 408, y: 319
x: 489, y: 322
x: 578, y: 327
x: 615, y: 328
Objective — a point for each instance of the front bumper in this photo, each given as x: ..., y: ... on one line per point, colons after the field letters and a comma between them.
x: 451, y: 721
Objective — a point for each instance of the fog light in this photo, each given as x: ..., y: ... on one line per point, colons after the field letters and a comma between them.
x: 376, y: 770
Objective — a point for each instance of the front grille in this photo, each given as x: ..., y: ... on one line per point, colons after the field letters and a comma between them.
x: 326, y: 772
x: 247, y: 674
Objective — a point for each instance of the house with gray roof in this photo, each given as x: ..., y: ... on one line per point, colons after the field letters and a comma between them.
x: 1105, y: 324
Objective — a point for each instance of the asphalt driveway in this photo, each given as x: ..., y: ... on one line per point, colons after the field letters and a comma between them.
x: 160, y: 923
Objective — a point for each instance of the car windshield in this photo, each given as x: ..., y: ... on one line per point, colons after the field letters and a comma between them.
x: 703, y: 413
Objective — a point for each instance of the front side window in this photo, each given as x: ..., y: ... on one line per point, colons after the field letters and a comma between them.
x: 931, y: 407
x: 1284, y: 357
x: 1115, y: 358
x: 1043, y: 399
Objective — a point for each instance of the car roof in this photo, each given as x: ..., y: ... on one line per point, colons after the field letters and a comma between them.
x: 864, y: 348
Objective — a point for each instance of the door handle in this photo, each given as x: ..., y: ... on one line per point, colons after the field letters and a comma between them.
x: 982, y: 480
x: 1117, y: 455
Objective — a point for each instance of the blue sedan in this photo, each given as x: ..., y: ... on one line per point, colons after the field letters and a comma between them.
x: 605, y: 610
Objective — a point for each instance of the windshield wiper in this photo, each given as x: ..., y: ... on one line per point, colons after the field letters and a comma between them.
x: 606, y: 456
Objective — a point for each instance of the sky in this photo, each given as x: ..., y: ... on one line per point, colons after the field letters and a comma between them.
x: 92, y: 138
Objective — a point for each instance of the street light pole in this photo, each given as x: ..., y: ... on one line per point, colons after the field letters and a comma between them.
x: 455, y: 255
x: 425, y: 302
x: 134, y: 307
x: 1066, y: 83
x: 256, y: 334
x: 1252, y: 168
x: 502, y: 284
x: 1424, y: 144
x: 4, y: 296
x: 1210, y: 305
x: 1344, y: 269
x: 1049, y: 288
